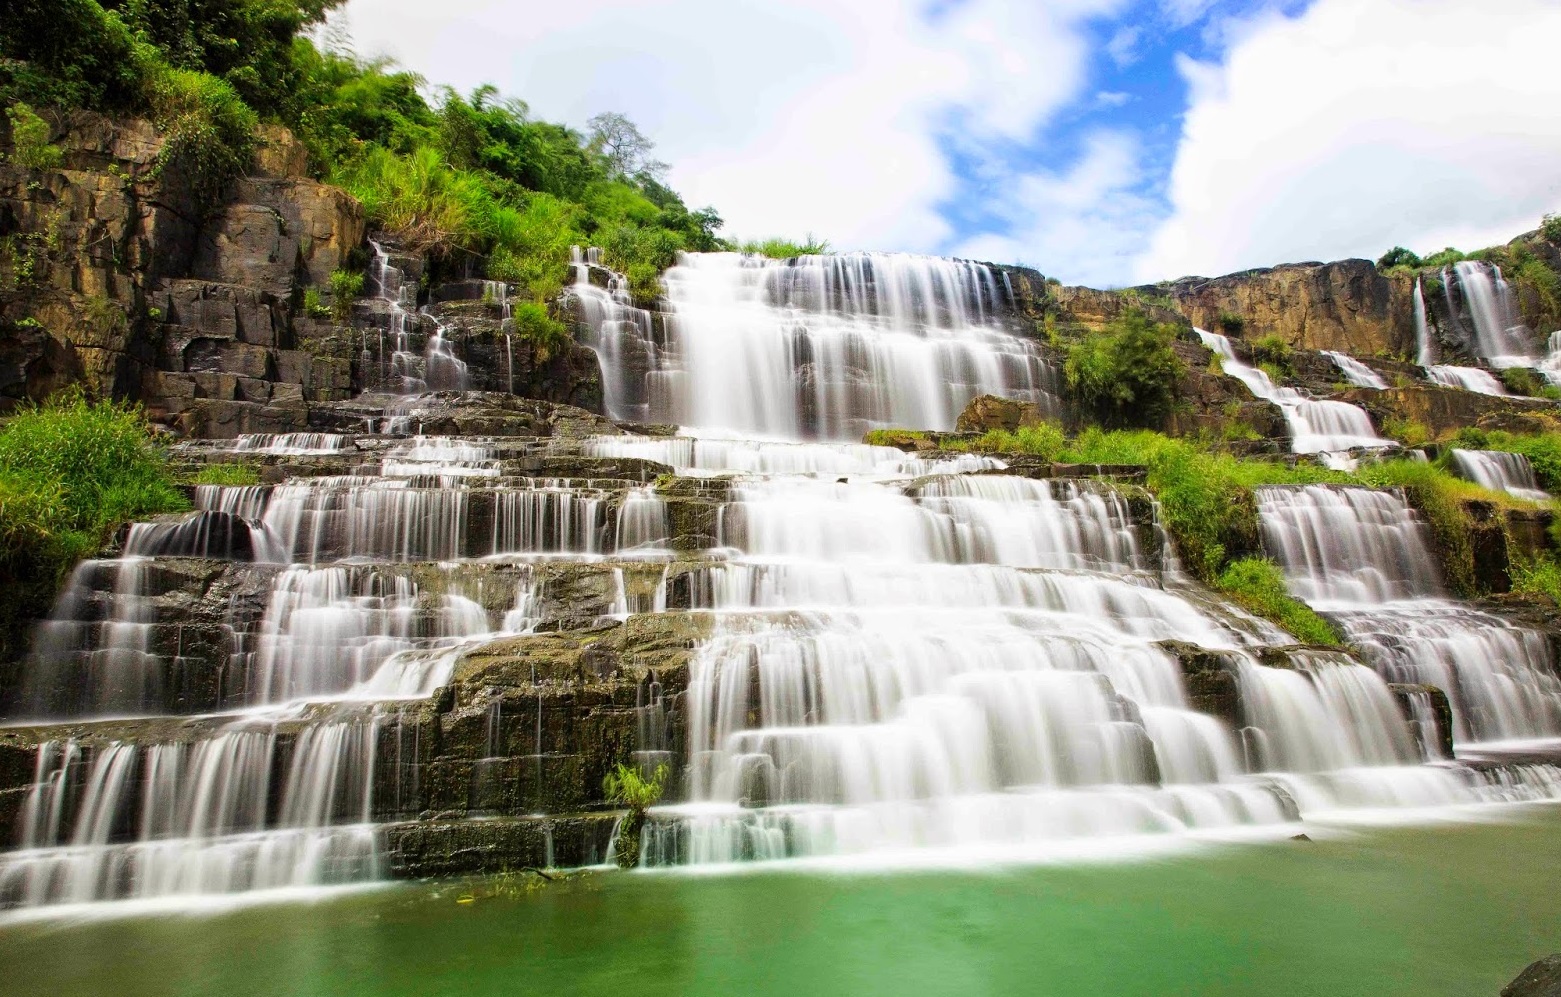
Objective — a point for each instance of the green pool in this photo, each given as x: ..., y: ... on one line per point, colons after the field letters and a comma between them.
x: 1450, y: 909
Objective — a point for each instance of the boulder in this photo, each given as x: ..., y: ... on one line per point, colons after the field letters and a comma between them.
x: 1542, y: 978
x: 989, y: 412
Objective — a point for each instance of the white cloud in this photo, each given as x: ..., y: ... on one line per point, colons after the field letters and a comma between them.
x: 1123, y: 46
x: 1082, y: 224
x: 808, y: 115
x: 1112, y: 98
x: 1361, y: 125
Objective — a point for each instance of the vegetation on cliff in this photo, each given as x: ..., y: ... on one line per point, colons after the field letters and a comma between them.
x: 463, y: 178
x: 1126, y: 374
x: 70, y: 473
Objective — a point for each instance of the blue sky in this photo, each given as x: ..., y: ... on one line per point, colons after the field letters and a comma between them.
x: 1103, y: 141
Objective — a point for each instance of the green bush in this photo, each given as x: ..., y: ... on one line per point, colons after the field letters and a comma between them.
x: 532, y: 324
x: 313, y: 306
x: 1537, y: 577
x: 209, y: 131
x: 1258, y: 586
x: 345, y: 286
x: 1230, y: 323
x: 70, y: 473
x: 1522, y: 381
x: 1398, y: 256
x: 1272, y: 349
x: 1127, y: 374
x: 1410, y: 433
x: 625, y: 787
x: 785, y: 249
x: 231, y: 474
x: 1446, y: 257
x: 30, y: 139
x: 1550, y: 229
x: 1045, y: 440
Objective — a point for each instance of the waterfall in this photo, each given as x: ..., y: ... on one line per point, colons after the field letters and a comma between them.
x: 1550, y: 367
x: 622, y: 337
x: 403, y: 370
x: 1425, y: 354
x: 1316, y: 427
x: 1501, y: 472
x: 817, y: 346
x: 1468, y: 378
x: 225, y: 814
x: 1362, y: 556
x: 294, y: 444
x: 1500, y: 337
x: 1355, y: 372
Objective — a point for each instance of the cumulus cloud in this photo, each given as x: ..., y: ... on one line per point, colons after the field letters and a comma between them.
x: 1357, y: 126
x: 1080, y: 224
x: 804, y: 116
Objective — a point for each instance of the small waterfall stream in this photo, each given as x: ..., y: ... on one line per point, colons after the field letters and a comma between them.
x: 1473, y: 379
x: 1316, y: 426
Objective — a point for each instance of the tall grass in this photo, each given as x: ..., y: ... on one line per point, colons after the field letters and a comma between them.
x: 428, y: 204
x: 785, y: 249
x: 70, y: 472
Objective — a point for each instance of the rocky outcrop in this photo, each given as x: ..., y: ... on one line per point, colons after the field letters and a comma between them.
x: 985, y: 413
x: 1443, y: 411
x: 1541, y: 978
x: 1347, y: 305
x: 1441, y: 708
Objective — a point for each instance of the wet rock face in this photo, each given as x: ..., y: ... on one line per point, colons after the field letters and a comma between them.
x: 988, y: 412
x: 1443, y: 410
x: 1347, y: 305
x: 1441, y: 712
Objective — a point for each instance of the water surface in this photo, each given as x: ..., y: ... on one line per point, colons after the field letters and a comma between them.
x: 1445, y: 910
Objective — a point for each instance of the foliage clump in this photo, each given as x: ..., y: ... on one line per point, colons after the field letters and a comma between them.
x: 30, y: 146
x: 1126, y: 375
x: 785, y: 249
x: 230, y: 473
x: 71, y: 471
x: 1398, y: 256
x: 1258, y: 586
x: 624, y: 786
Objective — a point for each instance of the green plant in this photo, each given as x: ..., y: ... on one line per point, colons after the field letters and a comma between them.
x: 1445, y: 257
x: 1272, y: 348
x: 1537, y: 577
x: 1410, y: 433
x: 1230, y: 323
x: 625, y: 787
x: 532, y: 324
x: 209, y: 132
x: 1398, y: 256
x: 30, y: 139
x: 1126, y: 374
x: 345, y: 286
x: 230, y: 473
x: 1522, y: 381
x: 785, y: 249
x: 1550, y: 228
x: 1045, y: 440
x: 313, y: 306
x: 1258, y: 586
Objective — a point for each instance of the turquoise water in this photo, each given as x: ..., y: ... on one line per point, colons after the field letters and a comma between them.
x: 1453, y: 909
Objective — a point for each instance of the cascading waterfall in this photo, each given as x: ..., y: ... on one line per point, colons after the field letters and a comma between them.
x: 1500, y: 471
x: 1355, y: 372
x: 907, y: 656
x: 403, y: 368
x: 1550, y: 367
x: 1468, y: 378
x: 1500, y: 337
x: 1316, y: 427
x: 818, y: 346
x: 1361, y: 556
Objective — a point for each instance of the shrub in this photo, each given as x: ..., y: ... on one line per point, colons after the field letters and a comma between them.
x: 1126, y: 374
x: 785, y: 249
x: 1537, y: 577
x: 1522, y: 381
x: 1444, y: 258
x: 428, y: 205
x: 1271, y: 348
x: 534, y: 325
x: 30, y: 139
x: 1398, y: 256
x: 1258, y: 586
x: 1045, y: 440
x: 1410, y: 433
x: 625, y: 787
x: 1550, y: 228
x: 345, y: 286
x: 313, y: 306
x: 1230, y: 323
x: 70, y: 473
x: 231, y: 474
x: 209, y: 131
